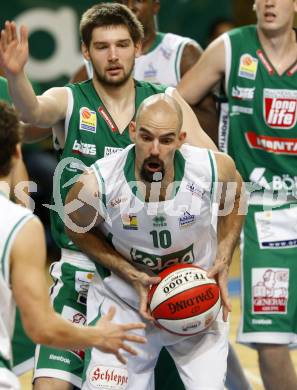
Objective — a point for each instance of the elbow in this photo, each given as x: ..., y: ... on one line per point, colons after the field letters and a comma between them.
x: 40, y: 334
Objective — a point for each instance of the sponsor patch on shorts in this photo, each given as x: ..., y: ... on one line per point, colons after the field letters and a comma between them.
x: 270, y: 290
x: 106, y: 377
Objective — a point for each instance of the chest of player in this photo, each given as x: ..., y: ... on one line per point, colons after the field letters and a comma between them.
x: 164, y: 233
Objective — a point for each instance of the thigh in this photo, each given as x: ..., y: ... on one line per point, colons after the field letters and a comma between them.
x: 201, y: 360
x: 8, y: 381
x: 69, y: 295
x: 104, y: 370
x: 269, y: 272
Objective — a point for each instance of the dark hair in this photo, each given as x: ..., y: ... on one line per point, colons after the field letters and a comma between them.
x: 109, y: 14
x: 10, y: 136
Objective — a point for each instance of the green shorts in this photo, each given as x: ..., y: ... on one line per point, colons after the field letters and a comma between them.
x: 71, y: 276
x: 268, y: 276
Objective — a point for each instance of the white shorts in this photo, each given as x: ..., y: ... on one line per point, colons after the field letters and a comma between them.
x: 201, y: 360
x: 8, y: 380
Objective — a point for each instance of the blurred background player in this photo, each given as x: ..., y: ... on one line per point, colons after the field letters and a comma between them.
x: 22, y: 273
x: 258, y: 64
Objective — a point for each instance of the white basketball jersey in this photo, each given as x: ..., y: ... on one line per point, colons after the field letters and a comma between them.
x: 155, y: 235
x: 13, y: 218
x: 161, y: 65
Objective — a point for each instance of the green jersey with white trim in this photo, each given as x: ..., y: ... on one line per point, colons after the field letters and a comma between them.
x: 262, y: 136
x: 90, y: 133
x: 155, y: 235
x: 161, y: 64
x: 13, y: 217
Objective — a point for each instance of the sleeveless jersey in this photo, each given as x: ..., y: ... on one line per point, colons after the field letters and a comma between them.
x: 13, y: 217
x: 90, y: 133
x: 262, y: 134
x: 155, y: 235
x: 4, y: 94
x: 161, y: 65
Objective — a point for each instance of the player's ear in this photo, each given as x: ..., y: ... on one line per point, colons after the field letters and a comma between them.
x: 138, y: 49
x: 182, y: 137
x: 85, y: 51
x: 132, y: 131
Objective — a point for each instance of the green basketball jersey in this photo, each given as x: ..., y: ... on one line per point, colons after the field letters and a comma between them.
x: 262, y: 134
x: 90, y: 134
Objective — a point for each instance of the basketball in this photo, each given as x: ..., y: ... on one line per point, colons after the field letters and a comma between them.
x: 186, y: 301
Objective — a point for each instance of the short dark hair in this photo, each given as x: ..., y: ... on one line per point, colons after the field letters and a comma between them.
x: 109, y: 14
x: 10, y: 136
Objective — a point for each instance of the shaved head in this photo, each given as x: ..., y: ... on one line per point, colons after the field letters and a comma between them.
x: 162, y: 110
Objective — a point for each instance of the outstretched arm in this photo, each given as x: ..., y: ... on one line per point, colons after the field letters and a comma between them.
x: 231, y: 198
x: 205, y: 110
x: 40, y: 321
x: 205, y: 74
x: 43, y: 111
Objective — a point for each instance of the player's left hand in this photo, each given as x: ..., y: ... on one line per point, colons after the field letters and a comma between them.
x: 142, y: 284
x: 220, y: 271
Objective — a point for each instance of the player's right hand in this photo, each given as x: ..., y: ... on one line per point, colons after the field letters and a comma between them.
x: 112, y: 336
x: 14, y: 51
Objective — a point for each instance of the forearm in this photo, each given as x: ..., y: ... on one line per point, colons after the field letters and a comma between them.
x: 229, y: 228
x: 24, y: 97
x: 94, y: 244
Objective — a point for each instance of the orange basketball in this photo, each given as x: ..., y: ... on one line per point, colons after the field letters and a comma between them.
x: 186, y: 301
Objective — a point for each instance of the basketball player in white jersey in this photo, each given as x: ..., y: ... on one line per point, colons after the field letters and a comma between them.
x: 22, y: 274
x: 154, y: 178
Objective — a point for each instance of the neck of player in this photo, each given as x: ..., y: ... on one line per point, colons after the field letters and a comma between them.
x: 149, y: 38
x: 280, y: 47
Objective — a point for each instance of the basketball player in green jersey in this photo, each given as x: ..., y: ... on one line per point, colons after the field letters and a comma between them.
x: 164, y: 59
x: 22, y: 273
x: 138, y: 183
x: 90, y: 121
x: 258, y: 64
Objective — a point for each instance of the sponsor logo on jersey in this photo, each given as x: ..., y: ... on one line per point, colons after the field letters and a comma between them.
x: 280, y: 106
x: 264, y: 61
x: 150, y: 73
x: 277, y: 145
x: 116, y: 202
x: 159, y: 221
x: 166, y: 52
x: 186, y: 220
x: 224, y: 127
x: 59, y: 358
x: 242, y: 110
x: 107, y: 119
x: 270, y: 290
x: 243, y: 93
x: 109, y: 150
x: 78, y: 318
x: 106, y: 377
x: 87, y: 120
x: 129, y: 221
x: 82, y: 283
x: 195, y: 189
x: 248, y: 67
x: 158, y: 262
x: 80, y: 147
x: 278, y: 182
